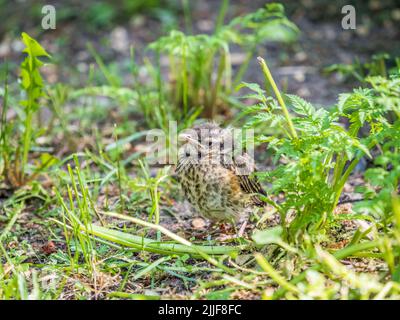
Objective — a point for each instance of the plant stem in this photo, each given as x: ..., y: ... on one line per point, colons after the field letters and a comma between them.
x: 187, y: 17
x: 9, y: 225
x: 26, y: 140
x: 350, y: 250
x: 217, y: 85
x: 150, y: 245
x: 243, y: 67
x: 221, y: 15
x: 4, y: 113
x: 149, y: 225
x: 264, y: 264
x: 340, y: 180
x: 270, y: 79
x: 184, y: 81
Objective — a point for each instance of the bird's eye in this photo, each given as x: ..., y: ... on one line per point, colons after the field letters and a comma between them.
x: 199, y: 155
x: 210, y: 143
x: 187, y: 154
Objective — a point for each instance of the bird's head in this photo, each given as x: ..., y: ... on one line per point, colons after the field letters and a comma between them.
x: 205, y: 141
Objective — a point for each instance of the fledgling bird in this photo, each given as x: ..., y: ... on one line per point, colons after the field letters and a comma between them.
x: 215, y: 178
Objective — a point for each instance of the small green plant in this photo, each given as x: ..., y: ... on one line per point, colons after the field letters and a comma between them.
x: 317, y: 154
x: 15, y: 151
x: 192, y: 82
x: 383, y: 179
x: 15, y: 286
x: 378, y: 66
x: 382, y: 188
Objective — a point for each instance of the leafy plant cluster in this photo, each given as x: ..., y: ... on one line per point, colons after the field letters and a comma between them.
x: 315, y: 161
x: 315, y: 153
x: 192, y: 83
x: 16, y: 136
x: 384, y: 177
x: 380, y: 65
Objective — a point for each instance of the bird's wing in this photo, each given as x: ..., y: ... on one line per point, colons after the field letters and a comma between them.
x: 243, y: 166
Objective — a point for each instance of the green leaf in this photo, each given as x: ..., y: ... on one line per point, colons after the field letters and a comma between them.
x: 47, y: 160
x: 301, y: 106
x: 25, y: 79
x: 33, y: 48
x: 268, y: 236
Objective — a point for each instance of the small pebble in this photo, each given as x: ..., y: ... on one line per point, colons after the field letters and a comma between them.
x: 198, y: 223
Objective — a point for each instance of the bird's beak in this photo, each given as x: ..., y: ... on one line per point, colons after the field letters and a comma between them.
x: 186, y: 138
x: 183, y: 137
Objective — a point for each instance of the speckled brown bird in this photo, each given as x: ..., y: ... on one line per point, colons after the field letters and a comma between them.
x: 216, y: 177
